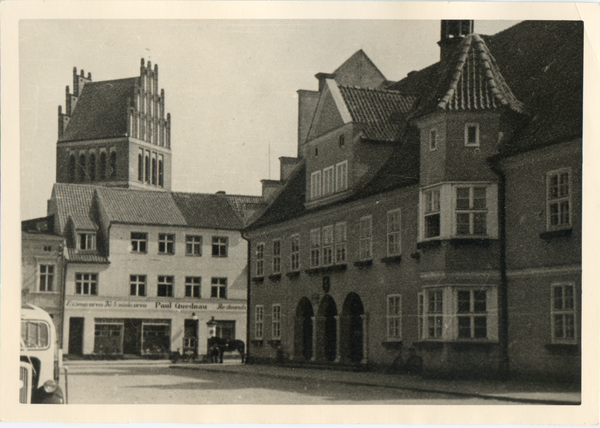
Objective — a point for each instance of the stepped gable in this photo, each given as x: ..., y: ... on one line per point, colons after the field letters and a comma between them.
x: 74, y: 201
x: 381, y: 111
x: 101, y: 110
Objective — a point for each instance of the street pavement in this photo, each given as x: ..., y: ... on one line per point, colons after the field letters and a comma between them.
x: 233, y: 382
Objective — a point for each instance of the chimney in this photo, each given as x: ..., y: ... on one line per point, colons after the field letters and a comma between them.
x: 286, y: 166
x: 452, y: 33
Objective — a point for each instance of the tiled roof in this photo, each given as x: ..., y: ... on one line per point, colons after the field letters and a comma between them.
x: 73, y: 200
x: 206, y: 210
x: 74, y: 256
x: 476, y: 82
x: 245, y: 206
x: 140, y: 207
x: 101, y: 111
x: 83, y: 221
x: 381, y: 111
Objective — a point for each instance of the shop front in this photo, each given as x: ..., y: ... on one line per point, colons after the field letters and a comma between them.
x: 148, y: 328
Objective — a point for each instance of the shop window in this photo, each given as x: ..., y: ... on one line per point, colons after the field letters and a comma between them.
x: 260, y: 259
x: 166, y: 243
x: 165, y: 286
x: 218, y: 289
x: 86, y: 284
x: 366, y: 238
x: 87, y: 241
x: 139, y: 242
x: 258, y: 322
x: 563, y: 313
x: 277, y: 256
x: 156, y: 337
x: 327, y: 257
x: 276, y: 324
x: 108, y: 338
x: 225, y: 329
x: 341, y: 176
x: 472, y: 135
x: 340, y: 243
x: 394, y: 247
x: 137, y: 285
x: 46, y: 278
x: 295, y: 253
x: 558, y: 200
x: 471, y: 210
x: 315, y: 247
x: 192, y: 286
x: 394, y: 317
x: 193, y: 245
x: 219, y: 246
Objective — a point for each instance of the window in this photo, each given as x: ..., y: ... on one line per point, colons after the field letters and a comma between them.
x: 435, y: 314
x: 277, y: 256
x: 276, y: 321
x: 295, y: 253
x: 365, y: 238
x: 192, y: 286
x: 340, y: 243
x: 472, y: 314
x: 471, y: 210
x: 72, y: 168
x: 341, y: 176
x: 432, y: 213
x: 102, y: 166
x: 147, y: 168
x: 218, y: 288
x: 113, y: 164
x: 193, y: 245
x: 394, y: 247
x: 258, y: 322
x: 260, y: 259
x: 315, y: 185
x: 139, y: 242
x: 421, y: 314
x: 141, y: 166
x: 341, y: 141
x: 81, y: 168
x: 86, y: 283
x: 472, y: 135
x: 166, y: 243
x: 219, y: 246
x: 137, y: 285
x: 432, y: 139
x: 165, y: 286
x: 327, y: 245
x: 46, y: 278
x: 328, y: 181
x: 87, y: 241
x: 315, y: 247
x: 558, y: 199
x: 92, y: 167
x: 161, y: 179
x: 154, y: 171
x: 563, y: 313
x: 394, y: 317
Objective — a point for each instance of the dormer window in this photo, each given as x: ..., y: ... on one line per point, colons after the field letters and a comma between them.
x: 315, y: 185
x: 433, y: 139
x: 472, y: 135
x: 86, y: 241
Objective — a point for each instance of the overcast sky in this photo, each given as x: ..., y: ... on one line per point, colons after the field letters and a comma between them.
x: 230, y: 86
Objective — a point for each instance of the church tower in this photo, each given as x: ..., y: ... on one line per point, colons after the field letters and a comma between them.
x: 115, y: 133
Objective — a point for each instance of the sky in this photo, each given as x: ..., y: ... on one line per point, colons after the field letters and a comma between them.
x: 230, y: 86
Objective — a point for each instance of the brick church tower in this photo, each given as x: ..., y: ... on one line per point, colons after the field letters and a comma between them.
x: 115, y: 133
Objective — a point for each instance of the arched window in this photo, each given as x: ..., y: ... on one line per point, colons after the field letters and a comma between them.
x: 147, y: 168
x: 72, y: 168
x: 113, y: 164
x: 153, y: 171
x: 102, y: 166
x: 161, y: 182
x: 140, y: 167
x: 82, y: 168
x: 92, y: 167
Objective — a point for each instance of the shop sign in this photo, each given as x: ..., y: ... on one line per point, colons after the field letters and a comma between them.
x: 157, y: 304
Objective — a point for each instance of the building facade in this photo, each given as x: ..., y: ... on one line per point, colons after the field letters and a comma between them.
x: 435, y: 222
